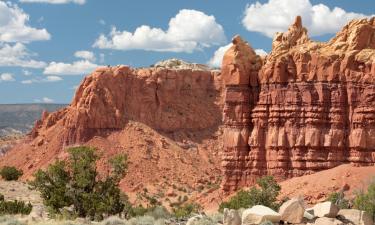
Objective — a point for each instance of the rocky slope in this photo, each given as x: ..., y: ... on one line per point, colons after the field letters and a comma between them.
x: 167, y: 119
x: 309, y: 106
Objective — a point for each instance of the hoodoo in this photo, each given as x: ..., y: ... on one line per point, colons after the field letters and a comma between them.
x: 310, y: 106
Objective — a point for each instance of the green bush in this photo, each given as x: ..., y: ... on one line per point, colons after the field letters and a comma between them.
x: 266, y: 195
x: 10, y: 173
x: 15, y: 207
x: 76, y: 183
x: 366, y: 200
x: 338, y: 198
x: 186, y: 210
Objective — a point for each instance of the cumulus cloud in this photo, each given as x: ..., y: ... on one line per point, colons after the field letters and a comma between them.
x: 6, y: 77
x: 260, y: 52
x: 276, y: 16
x: 216, y: 59
x: 14, y: 28
x: 76, y: 68
x: 18, y: 55
x: 47, y: 100
x: 85, y: 55
x: 42, y: 80
x: 80, y: 2
x: 189, y: 30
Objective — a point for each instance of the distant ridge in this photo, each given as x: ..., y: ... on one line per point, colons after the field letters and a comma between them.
x: 20, y: 118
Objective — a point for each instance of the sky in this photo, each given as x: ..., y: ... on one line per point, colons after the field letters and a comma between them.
x: 48, y: 46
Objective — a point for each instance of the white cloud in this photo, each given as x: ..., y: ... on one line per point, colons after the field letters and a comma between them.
x: 14, y: 28
x: 80, y: 2
x: 47, y: 100
x: 76, y: 68
x: 42, y: 80
x: 26, y: 72
x: 53, y: 78
x: 260, y: 52
x: 189, y: 30
x: 277, y: 15
x: 85, y: 55
x: 6, y: 77
x: 18, y: 55
x: 216, y: 59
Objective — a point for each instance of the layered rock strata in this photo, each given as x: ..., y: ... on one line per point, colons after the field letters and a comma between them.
x: 165, y: 99
x: 309, y: 106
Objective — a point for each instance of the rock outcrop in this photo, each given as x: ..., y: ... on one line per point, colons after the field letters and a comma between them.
x: 164, y: 99
x: 309, y: 106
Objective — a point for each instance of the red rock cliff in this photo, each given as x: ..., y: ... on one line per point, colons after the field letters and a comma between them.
x: 310, y: 106
x: 164, y: 99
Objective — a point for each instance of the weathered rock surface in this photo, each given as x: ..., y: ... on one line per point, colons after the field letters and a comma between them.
x: 356, y: 217
x: 307, y: 107
x: 258, y: 214
x: 326, y: 209
x: 292, y: 211
x: 231, y: 217
x: 328, y: 221
x: 164, y: 99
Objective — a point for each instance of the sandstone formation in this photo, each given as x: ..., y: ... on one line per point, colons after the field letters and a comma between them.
x: 307, y: 107
x: 165, y: 99
x: 167, y: 119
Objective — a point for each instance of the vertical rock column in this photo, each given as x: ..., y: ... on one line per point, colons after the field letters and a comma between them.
x: 240, y: 68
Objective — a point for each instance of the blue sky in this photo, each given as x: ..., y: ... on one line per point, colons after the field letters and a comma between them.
x: 47, y: 46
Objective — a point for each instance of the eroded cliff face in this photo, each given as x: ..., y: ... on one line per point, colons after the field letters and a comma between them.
x: 165, y: 99
x: 310, y: 106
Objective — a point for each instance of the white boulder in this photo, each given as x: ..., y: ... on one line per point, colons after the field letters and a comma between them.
x: 326, y: 209
x: 258, y: 214
x: 292, y: 211
x: 355, y: 216
x: 328, y: 221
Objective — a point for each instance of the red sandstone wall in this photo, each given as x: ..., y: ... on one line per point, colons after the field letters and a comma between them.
x: 309, y: 107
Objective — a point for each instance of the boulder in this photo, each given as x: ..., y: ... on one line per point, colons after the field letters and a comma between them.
x: 258, y: 214
x: 355, y: 216
x: 328, y: 221
x: 292, y: 211
x: 193, y: 220
x: 231, y: 217
x: 308, y: 215
x: 326, y: 209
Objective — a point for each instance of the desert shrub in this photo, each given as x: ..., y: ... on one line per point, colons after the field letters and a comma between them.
x: 145, y: 220
x: 10, y: 220
x: 76, y: 183
x: 366, y: 200
x: 185, y: 210
x: 15, y: 207
x: 265, y: 195
x: 113, y: 220
x: 338, y: 198
x: 158, y: 212
x: 10, y: 173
